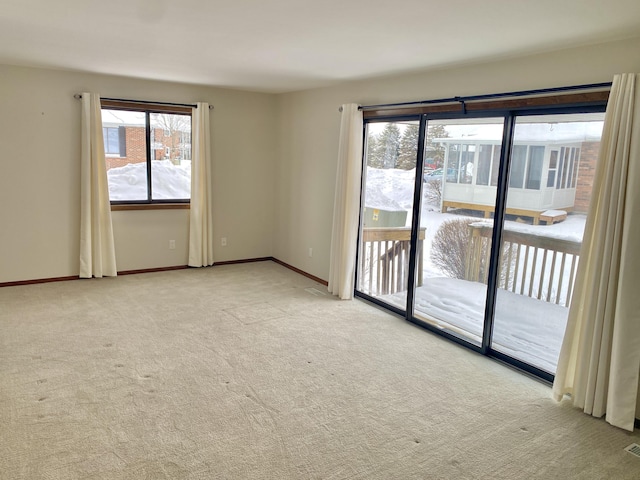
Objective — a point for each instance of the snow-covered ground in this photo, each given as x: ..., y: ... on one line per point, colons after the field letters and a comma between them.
x: 526, y: 328
x: 169, y: 181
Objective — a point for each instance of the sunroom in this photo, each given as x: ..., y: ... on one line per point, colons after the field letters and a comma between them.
x: 552, y: 167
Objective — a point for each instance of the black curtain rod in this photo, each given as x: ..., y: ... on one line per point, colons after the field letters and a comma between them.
x: 146, y: 102
x: 522, y: 93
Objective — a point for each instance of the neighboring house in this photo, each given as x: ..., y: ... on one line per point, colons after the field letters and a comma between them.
x: 552, y: 171
x: 125, y: 142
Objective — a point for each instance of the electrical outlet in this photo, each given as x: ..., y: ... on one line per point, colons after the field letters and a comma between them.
x: 172, y: 244
x: 310, y: 251
x: 223, y: 241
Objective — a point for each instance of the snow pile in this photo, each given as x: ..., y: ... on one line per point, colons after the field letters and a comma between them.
x: 389, y: 188
x: 169, y: 181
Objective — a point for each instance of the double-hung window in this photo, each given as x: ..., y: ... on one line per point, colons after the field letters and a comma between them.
x: 147, y: 152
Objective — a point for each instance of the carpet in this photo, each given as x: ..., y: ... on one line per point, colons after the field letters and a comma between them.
x: 251, y: 372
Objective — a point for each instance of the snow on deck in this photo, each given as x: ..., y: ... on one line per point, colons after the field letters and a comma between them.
x: 525, y: 328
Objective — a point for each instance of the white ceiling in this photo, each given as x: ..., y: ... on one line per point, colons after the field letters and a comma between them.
x: 287, y: 45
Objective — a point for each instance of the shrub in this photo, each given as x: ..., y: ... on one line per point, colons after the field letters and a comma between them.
x: 451, y: 247
x: 433, y: 192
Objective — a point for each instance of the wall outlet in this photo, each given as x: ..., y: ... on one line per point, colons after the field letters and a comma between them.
x: 223, y: 241
x: 310, y: 251
x: 172, y: 244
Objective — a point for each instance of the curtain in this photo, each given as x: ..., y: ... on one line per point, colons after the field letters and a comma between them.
x: 201, y: 217
x: 97, y: 252
x: 346, y: 206
x: 599, y: 362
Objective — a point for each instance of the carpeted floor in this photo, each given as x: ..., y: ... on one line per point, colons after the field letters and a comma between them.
x: 251, y: 372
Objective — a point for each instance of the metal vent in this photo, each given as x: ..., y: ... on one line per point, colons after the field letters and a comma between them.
x: 634, y: 449
x: 315, y: 291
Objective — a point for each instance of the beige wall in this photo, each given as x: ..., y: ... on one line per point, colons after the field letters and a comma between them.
x: 274, y: 158
x: 39, y: 175
x: 309, y: 123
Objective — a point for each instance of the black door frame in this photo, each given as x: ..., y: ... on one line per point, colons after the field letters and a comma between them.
x: 509, y: 117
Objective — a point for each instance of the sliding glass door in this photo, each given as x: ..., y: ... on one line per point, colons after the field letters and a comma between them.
x: 471, y: 225
x: 387, y: 192
x: 552, y: 166
x: 460, y: 174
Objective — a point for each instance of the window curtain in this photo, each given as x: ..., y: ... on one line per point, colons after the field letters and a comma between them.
x: 346, y: 207
x: 599, y: 362
x: 201, y: 217
x: 97, y: 251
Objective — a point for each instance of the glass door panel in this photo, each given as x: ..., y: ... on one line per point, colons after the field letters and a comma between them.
x: 462, y: 159
x: 552, y: 167
x: 387, y: 205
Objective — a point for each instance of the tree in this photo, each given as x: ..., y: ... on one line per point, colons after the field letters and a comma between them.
x: 374, y: 156
x: 408, y: 147
x: 393, y: 149
x: 434, y: 150
x: 389, y: 145
x: 179, y: 129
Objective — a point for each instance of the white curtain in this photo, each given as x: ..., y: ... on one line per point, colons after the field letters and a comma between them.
x: 201, y: 217
x: 346, y: 207
x: 97, y: 252
x: 599, y: 362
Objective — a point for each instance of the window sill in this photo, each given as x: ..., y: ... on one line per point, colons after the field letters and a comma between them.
x: 151, y: 206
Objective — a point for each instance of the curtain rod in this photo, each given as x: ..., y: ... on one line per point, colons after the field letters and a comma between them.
x: 471, y: 98
x: 190, y: 105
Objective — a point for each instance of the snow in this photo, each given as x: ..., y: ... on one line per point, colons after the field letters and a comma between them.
x: 554, y: 213
x: 122, y: 117
x: 169, y: 181
x: 393, y: 187
x: 525, y: 328
x: 567, y: 129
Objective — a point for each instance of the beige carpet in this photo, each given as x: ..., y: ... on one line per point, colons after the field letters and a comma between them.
x: 250, y: 372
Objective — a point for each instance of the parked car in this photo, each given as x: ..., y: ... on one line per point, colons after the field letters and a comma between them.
x: 436, y: 175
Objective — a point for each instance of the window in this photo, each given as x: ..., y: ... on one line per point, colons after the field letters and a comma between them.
x: 553, y: 165
x: 484, y: 165
x: 575, y: 168
x: 488, y: 165
x: 534, y: 168
x: 526, y: 167
x: 114, y: 141
x: 148, y: 153
x: 451, y: 175
x: 567, y: 168
x: 518, y: 162
x: 466, y: 163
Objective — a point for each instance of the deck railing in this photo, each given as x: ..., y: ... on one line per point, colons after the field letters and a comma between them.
x: 532, y: 265
x: 384, y: 260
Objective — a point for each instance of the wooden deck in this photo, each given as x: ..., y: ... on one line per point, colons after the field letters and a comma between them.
x: 537, y: 217
x: 384, y: 259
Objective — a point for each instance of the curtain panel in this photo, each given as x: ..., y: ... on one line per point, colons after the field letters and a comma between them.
x: 599, y: 364
x: 346, y: 207
x: 97, y: 251
x: 201, y: 216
